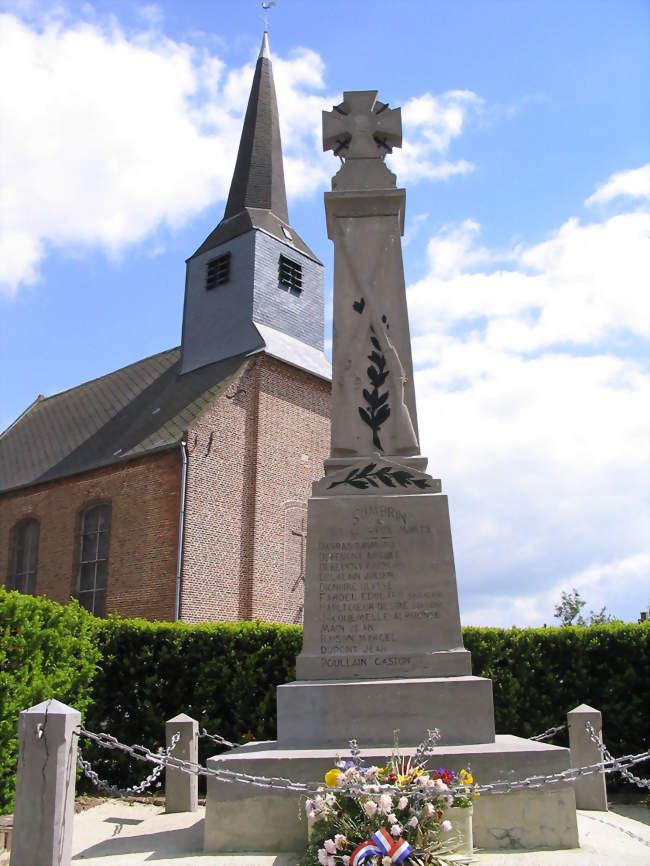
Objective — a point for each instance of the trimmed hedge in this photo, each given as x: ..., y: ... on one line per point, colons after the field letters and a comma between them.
x: 539, y: 674
x: 225, y: 674
x: 47, y: 650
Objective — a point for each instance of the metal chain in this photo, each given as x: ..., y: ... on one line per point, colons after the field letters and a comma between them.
x: 607, y: 756
x: 551, y: 732
x: 113, y: 790
x: 142, y: 753
x: 217, y: 738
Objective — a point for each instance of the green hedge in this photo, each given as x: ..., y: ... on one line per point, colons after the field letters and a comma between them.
x: 47, y: 650
x: 225, y: 674
x: 539, y: 674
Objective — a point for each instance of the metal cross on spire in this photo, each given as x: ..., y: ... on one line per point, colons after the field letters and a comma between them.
x: 266, y: 6
x: 362, y: 127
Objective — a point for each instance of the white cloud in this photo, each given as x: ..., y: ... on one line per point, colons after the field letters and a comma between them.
x: 534, y: 405
x: 106, y: 137
x: 430, y: 125
x: 634, y: 183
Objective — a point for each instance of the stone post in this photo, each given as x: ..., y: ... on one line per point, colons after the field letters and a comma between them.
x: 591, y: 792
x: 45, y: 785
x: 182, y: 789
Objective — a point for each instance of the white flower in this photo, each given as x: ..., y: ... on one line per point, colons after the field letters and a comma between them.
x: 372, y: 772
x: 396, y: 830
x: 322, y: 856
x: 403, y: 803
x: 331, y: 861
x: 413, y: 822
x: 346, y: 860
x: 385, y: 804
x: 392, y: 818
x: 330, y: 846
x: 370, y: 808
x: 429, y: 808
x: 340, y: 841
x: 309, y: 805
x: 446, y: 826
x: 330, y: 799
x: 440, y: 785
x: 386, y: 861
x: 319, y: 803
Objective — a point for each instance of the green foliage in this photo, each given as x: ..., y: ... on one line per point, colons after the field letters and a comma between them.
x: 47, y: 650
x: 570, y: 607
x: 128, y: 677
x: 222, y: 674
x: 539, y: 674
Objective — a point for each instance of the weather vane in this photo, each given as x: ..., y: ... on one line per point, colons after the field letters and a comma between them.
x: 266, y: 6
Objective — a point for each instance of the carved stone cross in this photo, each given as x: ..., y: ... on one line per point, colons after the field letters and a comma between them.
x: 361, y: 127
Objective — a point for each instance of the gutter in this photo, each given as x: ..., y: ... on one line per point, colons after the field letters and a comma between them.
x: 181, y: 531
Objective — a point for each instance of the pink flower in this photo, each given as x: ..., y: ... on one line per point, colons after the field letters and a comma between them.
x: 346, y: 860
x: 322, y: 856
x: 403, y: 803
x: 413, y: 822
x: 370, y: 808
x: 446, y: 826
x: 429, y: 809
x: 340, y: 841
x: 396, y: 830
x: 385, y: 804
x: 330, y: 846
x: 392, y: 818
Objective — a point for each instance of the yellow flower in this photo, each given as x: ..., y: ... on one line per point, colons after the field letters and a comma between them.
x: 466, y: 778
x: 332, y: 778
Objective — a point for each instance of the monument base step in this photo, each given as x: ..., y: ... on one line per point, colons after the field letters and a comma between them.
x: 241, y: 817
x: 328, y: 713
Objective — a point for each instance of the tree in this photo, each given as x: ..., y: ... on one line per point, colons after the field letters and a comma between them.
x: 568, y: 611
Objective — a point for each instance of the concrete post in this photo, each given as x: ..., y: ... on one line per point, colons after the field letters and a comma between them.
x: 45, y: 785
x: 591, y: 792
x: 182, y: 789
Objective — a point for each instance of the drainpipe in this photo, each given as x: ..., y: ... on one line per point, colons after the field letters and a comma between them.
x: 181, y: 531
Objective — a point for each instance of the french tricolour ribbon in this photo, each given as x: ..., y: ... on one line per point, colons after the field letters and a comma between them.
x: 381, y: 842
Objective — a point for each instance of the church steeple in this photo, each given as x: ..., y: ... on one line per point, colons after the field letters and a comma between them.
x: 258, y: 179
x: 254, y: 285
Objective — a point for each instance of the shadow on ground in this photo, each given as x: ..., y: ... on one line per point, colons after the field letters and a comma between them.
x: 164, y: 845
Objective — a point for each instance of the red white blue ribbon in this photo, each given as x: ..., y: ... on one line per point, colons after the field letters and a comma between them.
x: 381, y: 842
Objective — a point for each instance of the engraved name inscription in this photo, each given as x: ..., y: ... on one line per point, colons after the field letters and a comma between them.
x: 366, y: 603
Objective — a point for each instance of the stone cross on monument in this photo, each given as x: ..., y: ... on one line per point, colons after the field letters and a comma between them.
x: 361, y: 125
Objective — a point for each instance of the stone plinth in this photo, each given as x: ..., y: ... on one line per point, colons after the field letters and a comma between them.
x: 242, y: 818
x: 321, y: 714
x: 381, y: 599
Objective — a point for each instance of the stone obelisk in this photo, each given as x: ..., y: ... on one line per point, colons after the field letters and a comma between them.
x: 381, y: 602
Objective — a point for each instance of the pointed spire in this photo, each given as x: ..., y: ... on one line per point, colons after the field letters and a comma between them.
x: 258, y: 179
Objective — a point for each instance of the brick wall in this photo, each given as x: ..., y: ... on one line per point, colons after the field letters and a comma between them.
x: 143, y: 541
x: 251, y: 459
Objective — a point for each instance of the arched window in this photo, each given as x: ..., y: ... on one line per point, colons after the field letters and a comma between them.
x: 93, y: 559
x: 24, y: 556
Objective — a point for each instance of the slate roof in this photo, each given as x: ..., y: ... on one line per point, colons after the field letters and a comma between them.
x: 144, y: 407
x: 258, y: 197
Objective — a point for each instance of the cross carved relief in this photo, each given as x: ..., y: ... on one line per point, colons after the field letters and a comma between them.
x: 361, y: 127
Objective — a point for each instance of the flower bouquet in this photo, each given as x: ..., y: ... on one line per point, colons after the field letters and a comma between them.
x: 393, y: 815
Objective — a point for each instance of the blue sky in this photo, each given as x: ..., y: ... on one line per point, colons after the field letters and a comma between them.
x: 525, y: 159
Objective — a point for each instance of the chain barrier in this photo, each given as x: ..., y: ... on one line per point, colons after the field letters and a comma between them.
x: 142, y: 753
x: 113, y: 790
x: 219, y: 740
x: 551, y: 732
x: 607, y: 756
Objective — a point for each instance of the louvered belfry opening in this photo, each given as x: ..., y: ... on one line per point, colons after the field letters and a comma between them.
x: 217, y: 271
x: 290, y: 275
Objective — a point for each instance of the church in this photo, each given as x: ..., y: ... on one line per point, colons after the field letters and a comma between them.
x: 176, y: 488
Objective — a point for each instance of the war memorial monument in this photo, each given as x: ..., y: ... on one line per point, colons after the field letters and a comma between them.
x: 382, y: 648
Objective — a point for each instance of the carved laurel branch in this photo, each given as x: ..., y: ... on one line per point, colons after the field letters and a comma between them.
x: 377, y: 409
x: 370, y: 476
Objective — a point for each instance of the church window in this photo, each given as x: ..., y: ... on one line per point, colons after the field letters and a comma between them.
x: 218, y: 271
x: 290, y: 275
x: 93, y: 558
x: 24, y: 556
